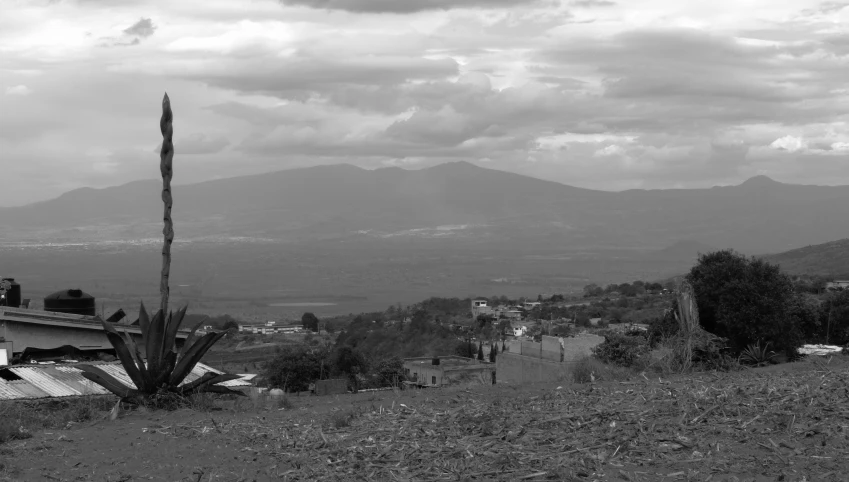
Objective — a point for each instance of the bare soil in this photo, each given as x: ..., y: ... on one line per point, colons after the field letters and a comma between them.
x: 783, y: 423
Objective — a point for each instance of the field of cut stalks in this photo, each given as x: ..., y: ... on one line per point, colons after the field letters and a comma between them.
x: 786, y: 422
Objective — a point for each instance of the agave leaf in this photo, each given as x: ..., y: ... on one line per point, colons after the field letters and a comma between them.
x: 107, y: 381
x: 144, y: 321
x: 171, y: 331
x: 193, y: 356
x: 153, y: 342
x: 127, y: 360
x: 168, y: 362
x: 208, y: 378
x: 189, y: 339
x: 137, y: 357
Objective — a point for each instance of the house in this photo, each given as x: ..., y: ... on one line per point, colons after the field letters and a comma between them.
x: 520, y: 330
x: 529, y: 305
x: 595, y: 321
x: 447, y: 370
x: 480, y: 307
x: 837, y: 285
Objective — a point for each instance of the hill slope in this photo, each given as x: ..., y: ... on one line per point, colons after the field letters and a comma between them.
x: 828, y: 259
x: 457, y: 201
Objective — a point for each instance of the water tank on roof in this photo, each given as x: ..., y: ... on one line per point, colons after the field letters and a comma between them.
x: 13, y: 293
x: 70, y: 301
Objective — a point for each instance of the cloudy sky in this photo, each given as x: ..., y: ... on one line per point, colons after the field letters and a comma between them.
x: 605, y: 94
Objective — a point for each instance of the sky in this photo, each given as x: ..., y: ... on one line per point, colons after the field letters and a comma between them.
x: 602, y: 94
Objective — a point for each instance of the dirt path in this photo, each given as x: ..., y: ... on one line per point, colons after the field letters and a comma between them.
x: 762, y: 425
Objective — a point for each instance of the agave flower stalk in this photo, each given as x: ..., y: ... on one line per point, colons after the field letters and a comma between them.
x: 157, y: 367
x: 166, y: 168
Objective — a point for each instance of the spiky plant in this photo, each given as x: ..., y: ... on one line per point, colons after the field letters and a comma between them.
x: 757, y: 355
x: 159, y: 372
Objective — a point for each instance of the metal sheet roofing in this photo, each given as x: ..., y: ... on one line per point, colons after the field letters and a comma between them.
x: 58, y: 380
x: 37, y: 377
x: 8, y: 392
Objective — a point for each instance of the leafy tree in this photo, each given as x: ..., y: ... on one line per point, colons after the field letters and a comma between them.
x: 465, y: 349
x: 231, y: 325
x: 745, y: 301
x: 351, y: 363
x: 504, y: 327
x: 310, y: 322
x: 294, y: 368
x: 493, y: 352
x: 480, y: 351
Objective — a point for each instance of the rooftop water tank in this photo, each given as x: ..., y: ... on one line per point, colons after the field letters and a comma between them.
x: 70, y: 301
x: 13, y: 295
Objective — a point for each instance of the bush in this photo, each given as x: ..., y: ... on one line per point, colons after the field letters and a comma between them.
x: 588, y: 370
x: 621, y: 350
x: 745, y: 300
x: 663, y: 327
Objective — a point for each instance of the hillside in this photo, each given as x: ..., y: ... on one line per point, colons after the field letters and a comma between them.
x: 828, y: 259
x: 456, y: 201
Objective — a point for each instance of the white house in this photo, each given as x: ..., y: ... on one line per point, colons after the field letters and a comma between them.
x: 837, y: 284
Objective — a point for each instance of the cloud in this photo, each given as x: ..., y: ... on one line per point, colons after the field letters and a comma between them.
x: 592, y: 3
x: 143, y: 28
x: 593, y: 93
x: 404, y: 7
x: 18, y: 90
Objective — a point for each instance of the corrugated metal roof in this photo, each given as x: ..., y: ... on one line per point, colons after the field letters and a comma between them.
x: 27, y: 389
x: 60, y: 380
x: 73, y: 377
x: 117, y: 371
x: 8, y: 392
x: 37, y: 377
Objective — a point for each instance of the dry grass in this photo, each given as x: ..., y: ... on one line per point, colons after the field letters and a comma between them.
x: 19, y: 418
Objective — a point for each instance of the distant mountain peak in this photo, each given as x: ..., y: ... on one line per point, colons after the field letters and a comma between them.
x: 759, y: 181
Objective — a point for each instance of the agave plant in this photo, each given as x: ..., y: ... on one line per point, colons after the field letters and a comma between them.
x: 757, y: 355
x: 160, y: 369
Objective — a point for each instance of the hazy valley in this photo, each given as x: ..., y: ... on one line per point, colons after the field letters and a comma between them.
x: 343, y: 239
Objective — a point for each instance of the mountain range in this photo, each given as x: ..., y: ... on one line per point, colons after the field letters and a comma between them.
x: 457, y: 201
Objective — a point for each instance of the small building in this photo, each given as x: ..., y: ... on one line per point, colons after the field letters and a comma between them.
x: 520, y: 330
x: 837, y: 285
x: 480, y: 306
x: 448, y: 370
x: 529, y: 305
x: 25, y: 329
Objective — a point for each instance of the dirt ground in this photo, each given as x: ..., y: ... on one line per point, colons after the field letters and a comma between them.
x: 782, y: 423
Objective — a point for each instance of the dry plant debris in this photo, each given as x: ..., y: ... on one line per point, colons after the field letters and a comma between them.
x: 748, y: 426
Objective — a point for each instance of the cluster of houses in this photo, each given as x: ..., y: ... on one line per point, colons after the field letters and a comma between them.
x: 269, y: 328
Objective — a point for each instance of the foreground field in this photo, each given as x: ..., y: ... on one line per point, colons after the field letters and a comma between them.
x: 786, y: 422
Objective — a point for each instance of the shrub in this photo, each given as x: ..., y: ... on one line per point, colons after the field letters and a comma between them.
x: 745, y: 300
x: 621, y: 350
x: 588, y: 370
x: 757, y: 355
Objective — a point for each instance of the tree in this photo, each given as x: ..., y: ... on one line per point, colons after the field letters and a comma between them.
x: 293, y: 369
x: 231, y: 325
x: 480, y: 351
x: 745, y: 301
x: 504, y: 327
x: 351, y: 363
x: 310, y: 322
x: 493, y: 352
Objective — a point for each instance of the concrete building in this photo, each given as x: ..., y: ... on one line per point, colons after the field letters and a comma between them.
x: 448, y: 370
x: 480, y: 307
x: 24, y: 328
